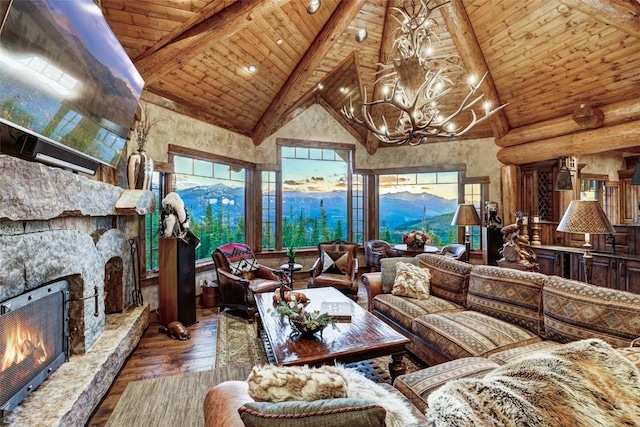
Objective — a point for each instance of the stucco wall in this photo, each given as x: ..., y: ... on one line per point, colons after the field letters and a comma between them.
x: 316, y: 124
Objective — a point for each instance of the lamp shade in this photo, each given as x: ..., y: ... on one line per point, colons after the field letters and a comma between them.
x: 585, y: 216
x: 466, y: 215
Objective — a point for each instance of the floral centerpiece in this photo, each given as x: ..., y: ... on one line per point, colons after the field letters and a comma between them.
x: 303, y: 322
x: 416, y: 239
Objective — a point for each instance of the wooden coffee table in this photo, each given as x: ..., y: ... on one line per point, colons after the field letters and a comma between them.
x: 365, y: 337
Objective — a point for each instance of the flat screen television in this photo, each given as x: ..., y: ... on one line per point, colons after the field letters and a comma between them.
x: 68, y: 90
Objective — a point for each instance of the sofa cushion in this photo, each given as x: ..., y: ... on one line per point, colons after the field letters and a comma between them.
x: 576, y: 310
x: 403, y: 310
x: 513, y: 354
x: 417, y: 386
x: 388, y: 271
x: 411, y: 281
x: 511, y: 295
x: 469, y: 333
x: 331, y: 412
x: 449, y: 277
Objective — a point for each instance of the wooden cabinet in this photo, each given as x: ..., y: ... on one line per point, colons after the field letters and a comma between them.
x: 628, y: 276
x: 177, y: 277
x: 493, y: 244
x: 608, y: 270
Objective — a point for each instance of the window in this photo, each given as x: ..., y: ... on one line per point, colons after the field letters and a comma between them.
x: 315, y: 194
x: 152, y: 224
x: 357, y: 209
x: 269, y: 212
x: 473, y: 194
x: 418, y: 201
x: 214, y: 195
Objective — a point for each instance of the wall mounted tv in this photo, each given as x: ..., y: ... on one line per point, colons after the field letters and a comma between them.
x: 68, y: 90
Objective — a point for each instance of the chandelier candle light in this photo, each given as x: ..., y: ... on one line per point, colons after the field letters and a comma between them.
x: 414, y: 82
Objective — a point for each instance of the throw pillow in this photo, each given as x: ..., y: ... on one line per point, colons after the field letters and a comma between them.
x: 344, y: 412
x: 270, y: 383
x: 411, y: 281
x: 336, y: 262
x: 388, y: 271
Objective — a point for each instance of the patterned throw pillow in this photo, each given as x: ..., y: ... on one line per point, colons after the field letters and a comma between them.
x: 336, y: 262
x: 411, y: 281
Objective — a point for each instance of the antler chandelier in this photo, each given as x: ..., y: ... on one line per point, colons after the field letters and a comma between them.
x: 414, y: 83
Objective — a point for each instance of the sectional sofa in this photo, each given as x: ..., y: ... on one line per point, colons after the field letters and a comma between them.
x: 477, y: 321
x: 479, y: 317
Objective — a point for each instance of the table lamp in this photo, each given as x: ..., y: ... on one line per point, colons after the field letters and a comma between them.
x: 465, y: 216
x: 586, y: 217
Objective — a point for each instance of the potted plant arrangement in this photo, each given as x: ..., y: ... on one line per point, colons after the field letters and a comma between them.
x: 303, y: 322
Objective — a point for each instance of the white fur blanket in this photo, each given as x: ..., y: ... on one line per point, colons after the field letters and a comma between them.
x: 584, y: 383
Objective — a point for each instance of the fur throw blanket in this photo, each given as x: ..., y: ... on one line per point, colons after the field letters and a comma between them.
x: 584, y: 383
x: 270, y: 383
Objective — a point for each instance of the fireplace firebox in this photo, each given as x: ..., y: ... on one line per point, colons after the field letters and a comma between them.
x: 34, y: 336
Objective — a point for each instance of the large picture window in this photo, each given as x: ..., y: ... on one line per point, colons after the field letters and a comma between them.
x: 418, y: 201
x: 315, y: 192
x: 214, y: 195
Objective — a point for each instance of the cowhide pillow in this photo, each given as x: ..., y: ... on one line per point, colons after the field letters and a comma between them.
x: 411, y: 281
x: 270, y: 383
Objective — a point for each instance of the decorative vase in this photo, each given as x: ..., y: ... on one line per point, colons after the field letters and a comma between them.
x: 140, y: 171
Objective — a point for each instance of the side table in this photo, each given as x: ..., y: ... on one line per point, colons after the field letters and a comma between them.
x: 291, y: 268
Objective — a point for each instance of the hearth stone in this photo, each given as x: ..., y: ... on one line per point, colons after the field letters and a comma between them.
x: 70, y: 395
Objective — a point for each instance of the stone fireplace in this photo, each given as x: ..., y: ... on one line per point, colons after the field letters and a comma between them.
x: 58, y: 225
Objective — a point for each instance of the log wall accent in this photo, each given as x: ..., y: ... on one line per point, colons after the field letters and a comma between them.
x: 600, y: 140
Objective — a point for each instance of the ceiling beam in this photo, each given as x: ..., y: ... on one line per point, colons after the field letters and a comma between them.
x: 621, y: 14
x: 328, y: 36
x: 202, y: 36
x: 619, y: 112
x: 386, y: 46
x: 205, y: 13
x: 459, y: 26
x: 617, y: 137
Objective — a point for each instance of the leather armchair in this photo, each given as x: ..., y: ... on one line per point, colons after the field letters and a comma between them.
x: 336, y: 266
x: 374, y: 250
x: 455, y: 251
x: 240, y: 276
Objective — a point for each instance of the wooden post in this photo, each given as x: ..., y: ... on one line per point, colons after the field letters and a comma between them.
x: 509, y: 181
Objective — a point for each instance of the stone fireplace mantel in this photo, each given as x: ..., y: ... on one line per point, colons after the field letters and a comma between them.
x: 55, y: 224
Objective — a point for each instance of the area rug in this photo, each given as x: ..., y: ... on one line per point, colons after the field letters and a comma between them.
x: 174, y: 401
x: 238, y: 342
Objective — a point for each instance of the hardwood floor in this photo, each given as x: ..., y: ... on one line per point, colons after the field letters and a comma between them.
x: 157, y: 355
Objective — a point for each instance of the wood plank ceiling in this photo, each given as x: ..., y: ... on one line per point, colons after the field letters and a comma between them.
x: 544, y: 57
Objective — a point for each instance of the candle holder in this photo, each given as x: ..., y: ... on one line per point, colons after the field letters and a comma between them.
x: 535, y: 231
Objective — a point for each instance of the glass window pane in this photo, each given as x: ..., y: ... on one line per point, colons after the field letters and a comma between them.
x: 202, y: 168
x: 408, y: 202
x: 182, y: 165
x: 314, y: 199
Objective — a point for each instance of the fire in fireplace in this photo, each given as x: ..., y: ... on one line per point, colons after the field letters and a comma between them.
x: 34, y: 335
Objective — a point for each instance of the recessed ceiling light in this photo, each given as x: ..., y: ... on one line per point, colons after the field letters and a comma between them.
x: 343, y: 89
x: 252, y: 68
x: 313, y: 6
x: 279, y: 41
x: 320, y: 86
x: 361, y: 35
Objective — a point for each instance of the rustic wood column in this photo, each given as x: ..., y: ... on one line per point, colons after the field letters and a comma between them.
x: 509, y: 183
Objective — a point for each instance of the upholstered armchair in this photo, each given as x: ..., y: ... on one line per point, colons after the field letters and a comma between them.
x: 240, y: 276
x: 374, y: 250
x: 336, y: 266
x: 455, y: 251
